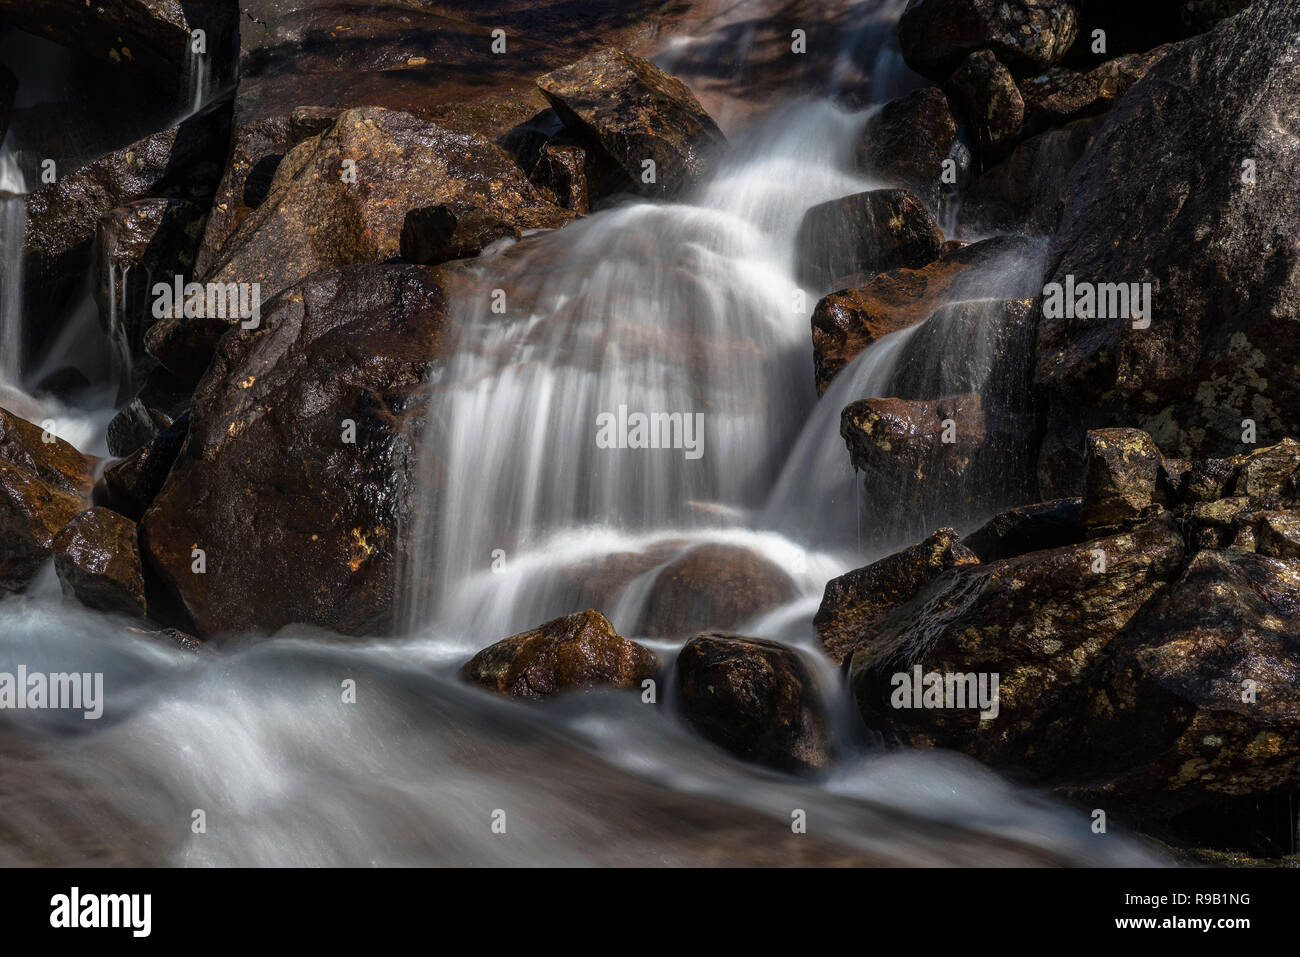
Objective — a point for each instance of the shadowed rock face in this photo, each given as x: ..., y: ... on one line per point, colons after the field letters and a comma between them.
x: 985, y: 95
x: 1027, y: 35
x: 906, y: 143
x: 578, y: 651
x: 152, y: 35
x: 297, y: 511
x: 1221, y: 254
x: 755, y: 698
x: 98, y: 562
x: 629, y: 111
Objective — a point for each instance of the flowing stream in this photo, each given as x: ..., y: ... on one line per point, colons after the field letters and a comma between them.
x: 689, y: 308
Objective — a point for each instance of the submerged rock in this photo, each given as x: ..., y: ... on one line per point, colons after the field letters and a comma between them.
x: 296, y: 472
x: 97, y: 560
x: 628, y: 111
x: 864, y: 234
x: 757, y: 699
x: 712, y: 587
x: 576, y: 652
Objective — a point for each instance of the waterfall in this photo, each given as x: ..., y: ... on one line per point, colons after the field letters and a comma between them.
x: 13, y: 221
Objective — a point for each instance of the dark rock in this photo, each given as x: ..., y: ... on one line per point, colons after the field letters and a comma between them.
x: 854, y: 604
x: 985, y: 96
x: 1036, y: 621
x: 755, y: 698
x: 297, y: 523
x: 1032, y: 528
x: 566, y: 174
x: 712, y: 587
x: 1027, y: 35
x: 130, y: 485
x: 1223, y: 265
x: 1278, y: 535
x: 1121, y: 475
x: 156, y: 407
x: 864, y: 234
x: 629, y: 111
x: 906, y: 143
x: 1264, y: 473
x: 98, y: 562
x: 1211, y: 479
x: 1061, y: 95
x: 578, y: 651
x: 846, y: 322
x: 8, y: 86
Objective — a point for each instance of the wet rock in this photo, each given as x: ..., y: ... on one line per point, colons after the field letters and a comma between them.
x: 43, y: 485
x: 1265, y: 473
x: 1031, y: 528
x: 755, y: 698
x: 566, y: 174
x: 578, y: 651
x: 1225, y: 287
x: 1199, y: 702
x: 1121, y: 475
x: 296, y: 473
x: 985, y: 95
x: 130, y: 485
x: 1211, y: 479
x: 1036, y: 621
x: 463, y: 191
x: 906, y: 143
x: 854, y: 604
x: 1027, y: 35
x: 712, y: 587
x: 1028, y: 190
x: 155, y: 407
x: 627, y: 111
x: 98, y: 562
x: 1061, y: 95
x: 1278, y: 535
x: 865, y: 234
x: 147, y: 241
x: 846, y: 322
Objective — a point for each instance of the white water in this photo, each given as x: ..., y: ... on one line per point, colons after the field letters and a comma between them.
x: 683, y: 307
x: 13, y: 222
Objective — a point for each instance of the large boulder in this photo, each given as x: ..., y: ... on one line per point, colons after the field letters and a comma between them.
x: 295, y: 476
x: 985, y: 95
x: 1027, y: 35
x: 1029, y: 528
x: 845, y: 323
x: 627, y: 111
x: 44, y: 484
x: 97, y: 560
x: 711, y: 587
x: 855, y: 237
x: 376, y: 184
x: 1212, y: 231
x: 854, y: 604
x: 576, y: 652
x: 906, y: 143
x: 755, y: 698
x: 1121, y: 476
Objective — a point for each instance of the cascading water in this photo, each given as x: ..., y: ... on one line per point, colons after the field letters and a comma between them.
x: 689, y: 308
x: 13, y: 221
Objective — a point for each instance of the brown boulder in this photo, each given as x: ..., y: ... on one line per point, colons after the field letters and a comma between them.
x: 1061, y: 95
x: 1121, y: 475
x: 855, y: 603
x: 906, y: 143
x: 712, y: 587
x: 295, y: 476
x: 627, y: 111
x: 1027, y: 35
x: 578, y: 651
x: 985, y: 96
x: 862, y: 235
x: 757, y: 699
x: 98, y: 562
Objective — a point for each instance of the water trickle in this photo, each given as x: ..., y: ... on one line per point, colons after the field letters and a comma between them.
x: 13, y: 222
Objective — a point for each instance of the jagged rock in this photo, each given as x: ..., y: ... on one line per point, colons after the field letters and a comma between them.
x: 712, y: 587
x: 147, y: 241
x: 1061, y: 95
x: 906, y: 143
x: 864, y: 234
x: 1278, y: 535
x: 629, y: 111
x: 160, y: 401
x: 1032, y: 528
x: 846, y: 322
x: 297, y: 469
x: 578, y: 651
x: 43, y: 485
x: 565, y: 172
x: 1028, y: 190
x: 1121, y: 475
x: 1036, y: 621
x: 1225, y: 285
x: 1027, y: 35
x: 985, y: 95
x: 757, y: 699
x: 130, y: 485
x: 98, y: 562
x: 854, y: 604
x: 1264, y: 473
